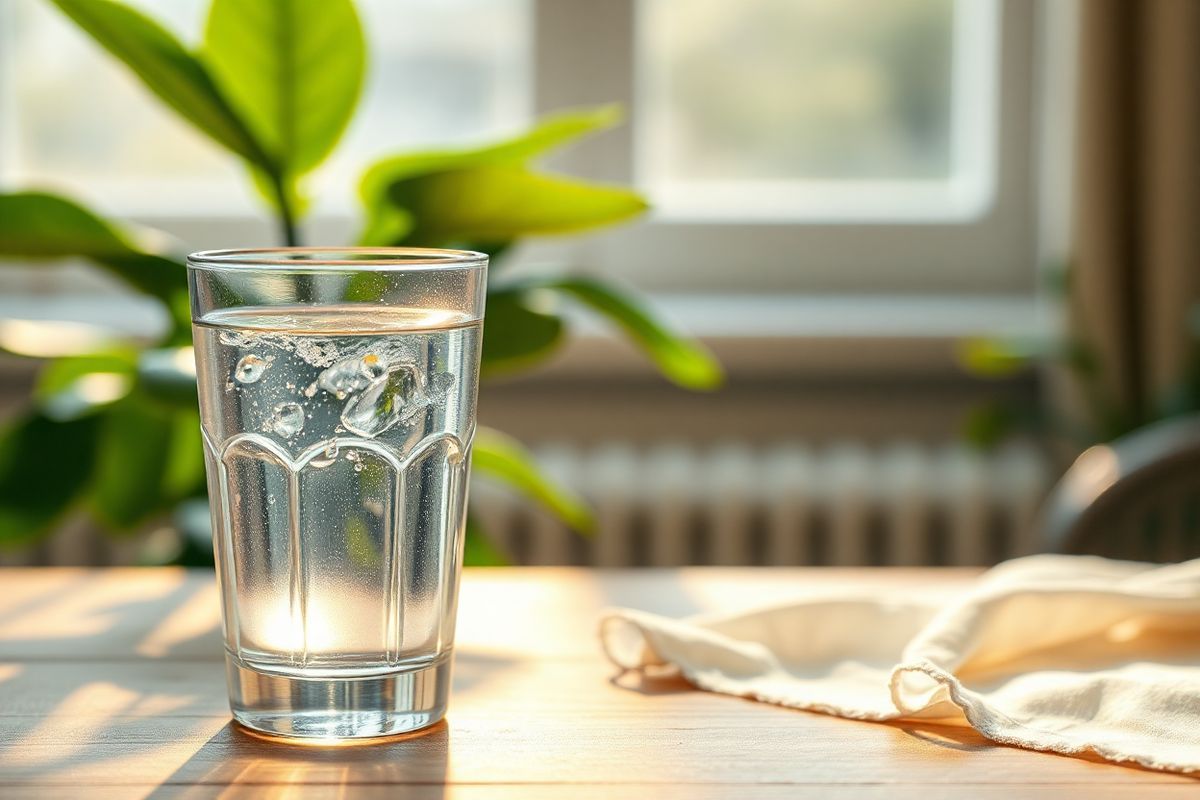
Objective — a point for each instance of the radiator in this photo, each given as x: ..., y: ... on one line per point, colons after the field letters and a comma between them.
x: 843, y: 504
x: 677, y: 504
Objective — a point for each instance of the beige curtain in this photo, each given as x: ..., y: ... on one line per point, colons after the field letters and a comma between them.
x: 1136, y: 274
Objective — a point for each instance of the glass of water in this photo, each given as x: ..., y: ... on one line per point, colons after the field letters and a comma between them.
x: 337, y: 398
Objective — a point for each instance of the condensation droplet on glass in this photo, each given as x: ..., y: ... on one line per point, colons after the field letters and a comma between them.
x: 358, y: 467
x: 311, y: 389
x: 287, y: 419
x: 249, y: 369
x: 271, y: 499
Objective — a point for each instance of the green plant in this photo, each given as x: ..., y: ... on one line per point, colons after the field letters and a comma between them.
x: 114, y: 426
x: 1101, y: 417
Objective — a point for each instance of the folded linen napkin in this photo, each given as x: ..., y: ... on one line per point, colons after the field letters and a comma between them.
x: 1059, y: 653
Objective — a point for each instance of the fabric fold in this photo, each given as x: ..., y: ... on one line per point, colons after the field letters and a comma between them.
x: 1068, y: 654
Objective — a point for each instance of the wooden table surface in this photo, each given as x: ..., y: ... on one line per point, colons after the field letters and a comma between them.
x: 111, y: 686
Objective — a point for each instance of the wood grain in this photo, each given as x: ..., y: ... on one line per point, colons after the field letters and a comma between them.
x: 111, y: 680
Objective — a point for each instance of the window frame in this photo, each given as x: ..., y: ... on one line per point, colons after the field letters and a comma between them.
x: 587, y: 54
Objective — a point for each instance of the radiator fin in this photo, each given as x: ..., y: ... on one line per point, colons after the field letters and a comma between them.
x: 674, y: 504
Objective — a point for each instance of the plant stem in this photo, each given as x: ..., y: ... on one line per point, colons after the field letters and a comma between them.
x: 287, y: 215
x: 291, y: 234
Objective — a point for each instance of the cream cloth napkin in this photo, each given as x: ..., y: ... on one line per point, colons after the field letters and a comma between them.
x: 1060, y: 653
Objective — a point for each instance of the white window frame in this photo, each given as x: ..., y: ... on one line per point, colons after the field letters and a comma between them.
x: 586, y: 54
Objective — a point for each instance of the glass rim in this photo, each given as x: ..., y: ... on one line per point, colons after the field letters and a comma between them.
x: 337, y: 259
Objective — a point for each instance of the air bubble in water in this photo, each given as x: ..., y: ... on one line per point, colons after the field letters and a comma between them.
x: 392, y: 398
x: 249, y: 369
x: 287, y: 419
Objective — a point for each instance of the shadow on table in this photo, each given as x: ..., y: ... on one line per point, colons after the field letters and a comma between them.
x: 69, y: 703
x: 632, y: 680
x: 236, y: 757
x: 959, y: 738
x: 79, y: 618
x: 968, y: 740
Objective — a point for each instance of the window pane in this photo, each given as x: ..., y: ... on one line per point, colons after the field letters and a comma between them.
x: 440, y: 72
x: 779, y: 94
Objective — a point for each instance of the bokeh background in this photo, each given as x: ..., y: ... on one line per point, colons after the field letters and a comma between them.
x: 940, y: 247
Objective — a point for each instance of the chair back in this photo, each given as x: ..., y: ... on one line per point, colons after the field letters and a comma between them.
x: 1135, y: 498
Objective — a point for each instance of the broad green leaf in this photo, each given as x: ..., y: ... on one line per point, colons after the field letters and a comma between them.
x: 487, y: 207
x: 498, y: 203
x: 549, y: 133
x: 389, y: 223
x: 683, y: 361
x: 168, y: 375
x: 166, y: 67
x: 293, y: 69
x: 71, y: 387
x: 34, y: 225
x: 503, y: 458
x: 44, y: 466
x: 478, y: 550
x: 516, y: 334
x: 184, y: 473
x: 134, y: 451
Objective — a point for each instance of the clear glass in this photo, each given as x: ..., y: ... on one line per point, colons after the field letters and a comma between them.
x: 337, y: 402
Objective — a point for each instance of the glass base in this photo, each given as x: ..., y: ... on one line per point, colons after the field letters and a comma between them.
x: 338, y: 708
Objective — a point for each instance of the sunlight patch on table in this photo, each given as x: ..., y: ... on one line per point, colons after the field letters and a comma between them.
x: 198, y: 615
x: 88, y: 605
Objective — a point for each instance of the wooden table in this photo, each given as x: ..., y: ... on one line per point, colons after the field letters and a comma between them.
x: 111, y: 686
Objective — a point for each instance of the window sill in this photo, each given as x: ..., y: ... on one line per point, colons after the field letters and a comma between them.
x: 807, y: 336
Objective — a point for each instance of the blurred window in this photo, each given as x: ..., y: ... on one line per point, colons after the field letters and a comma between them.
x: 794, y: 108
x: 833, y: 147
x: 846, y: 147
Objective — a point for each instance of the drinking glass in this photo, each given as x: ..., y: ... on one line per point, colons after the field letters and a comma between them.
x: 337, y: 403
